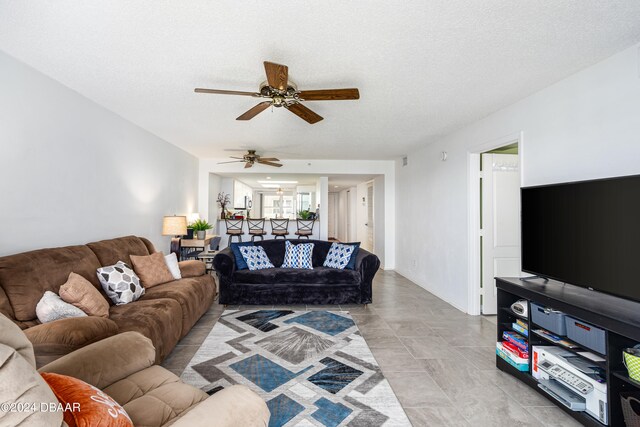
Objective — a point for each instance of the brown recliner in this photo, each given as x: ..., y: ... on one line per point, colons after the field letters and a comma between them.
x: 165, y: 314
x: 123, y: 367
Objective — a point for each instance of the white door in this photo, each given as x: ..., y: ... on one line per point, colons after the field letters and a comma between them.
x: 370, y: 223
x: 500, y: 223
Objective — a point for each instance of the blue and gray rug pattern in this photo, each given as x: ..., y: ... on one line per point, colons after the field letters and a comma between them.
x: 313, y: 368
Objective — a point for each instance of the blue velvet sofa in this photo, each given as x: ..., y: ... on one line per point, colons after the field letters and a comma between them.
x: 322, y: 285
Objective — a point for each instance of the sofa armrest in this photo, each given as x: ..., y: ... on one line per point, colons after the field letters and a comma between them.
x: 224, y: 263
x: 367, y: 264
x: 107, y: 361
x: 192, y: 268
x: 55, y: 339
x: 231, y: 407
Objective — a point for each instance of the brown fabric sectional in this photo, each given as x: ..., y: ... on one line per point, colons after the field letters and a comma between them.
x: 164, y: 314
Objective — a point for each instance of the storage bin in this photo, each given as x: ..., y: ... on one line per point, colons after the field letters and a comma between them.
x: 630, y: 409
x: 551, y: 320
x: 586, y: 335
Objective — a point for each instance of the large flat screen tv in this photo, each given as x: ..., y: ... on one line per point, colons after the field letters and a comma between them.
x: 584, y: 233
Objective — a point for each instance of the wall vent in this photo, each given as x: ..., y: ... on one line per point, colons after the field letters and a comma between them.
x: 405, y: 161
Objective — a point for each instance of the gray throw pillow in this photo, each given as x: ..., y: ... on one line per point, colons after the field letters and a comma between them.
x: 51, y: 307
x: 120, y: 283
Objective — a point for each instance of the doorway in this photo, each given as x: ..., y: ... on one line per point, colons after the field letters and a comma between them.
x: 499, y: 221
x: 494, y: 219
x: 370, y: 224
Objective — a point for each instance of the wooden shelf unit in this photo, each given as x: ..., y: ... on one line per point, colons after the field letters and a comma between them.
x: 620, y: 318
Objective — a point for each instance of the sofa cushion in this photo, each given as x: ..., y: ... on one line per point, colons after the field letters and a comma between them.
x: 339, y: 255
x: 95, y: 407
x: 195, y: 296
x: 25, y: 277
x: 151, y: 269
x: 51, y: 307
x: 255, y: 257
x: 157, y: 319
x: 319, y: 275
x: 241, y: 264
x: 79, y: 292
x: 111, y: 251
x: 120, y: 283
x: 52, y: 340
x: 172, y: 264
x: 155, y: 396
x: 298, y: 256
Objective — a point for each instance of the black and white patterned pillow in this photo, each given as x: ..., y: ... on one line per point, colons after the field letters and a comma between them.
x: 256, y: 257
x: 339, y: 255
x: 120, y: 283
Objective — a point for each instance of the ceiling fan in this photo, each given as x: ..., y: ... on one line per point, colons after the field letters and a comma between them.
x: 281, y: 92
x: 252, y: 158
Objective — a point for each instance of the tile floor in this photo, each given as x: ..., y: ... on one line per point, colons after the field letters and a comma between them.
x: 439, y: 361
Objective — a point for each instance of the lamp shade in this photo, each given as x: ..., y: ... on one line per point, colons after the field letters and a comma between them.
x: 174, y: 225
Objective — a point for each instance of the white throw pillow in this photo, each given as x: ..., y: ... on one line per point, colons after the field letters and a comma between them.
x: 51, y: 307
x: 172, y: 263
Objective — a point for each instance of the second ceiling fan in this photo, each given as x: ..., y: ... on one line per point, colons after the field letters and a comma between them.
x: 281, y: 92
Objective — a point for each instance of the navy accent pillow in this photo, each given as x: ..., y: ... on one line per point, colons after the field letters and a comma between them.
x: 241, y: 263
x: 352, y: 262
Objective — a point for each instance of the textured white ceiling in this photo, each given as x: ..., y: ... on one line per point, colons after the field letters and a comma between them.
x: 424, y: 68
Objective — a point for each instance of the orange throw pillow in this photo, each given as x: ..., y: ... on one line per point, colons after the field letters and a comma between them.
x: 79, y: 292
x: 151, y: 269
x: 84, y: 405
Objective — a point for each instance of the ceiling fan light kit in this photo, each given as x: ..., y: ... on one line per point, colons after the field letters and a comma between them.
x: 281, y: 92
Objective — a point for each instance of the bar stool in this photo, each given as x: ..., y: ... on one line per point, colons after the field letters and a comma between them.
x: 256, y: 228
x: 305, y: 227
x: 234, y: 228
x: 280, y: 227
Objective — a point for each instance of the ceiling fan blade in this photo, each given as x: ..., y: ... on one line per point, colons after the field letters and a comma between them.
x: 277, y: 75
x: 268, y: 159
x: 234, y: 157
x: 226, y: 92
x: 248, y: 165
x: 304, y: 113
x: 330, y: 94
x: 251, y: 113
x: 278, y: 165
x: 232, y: 161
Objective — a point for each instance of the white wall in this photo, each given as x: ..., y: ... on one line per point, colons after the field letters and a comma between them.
x: 319, y: 167
x: 586, y: 126
x: 72, y: 172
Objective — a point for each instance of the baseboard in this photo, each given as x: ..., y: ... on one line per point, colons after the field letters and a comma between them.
x: 430, y: 290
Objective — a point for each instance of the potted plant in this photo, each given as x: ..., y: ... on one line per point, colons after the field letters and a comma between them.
x: 223, y: 200
x: 305, y: 214
x: 201, y: 226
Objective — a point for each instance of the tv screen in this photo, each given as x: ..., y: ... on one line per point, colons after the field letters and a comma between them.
x: 584, y: 233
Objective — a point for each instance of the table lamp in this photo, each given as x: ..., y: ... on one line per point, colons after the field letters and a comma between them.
x: 175, y: 226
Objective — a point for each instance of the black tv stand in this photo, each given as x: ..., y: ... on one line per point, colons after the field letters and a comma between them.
x: 620, y: 318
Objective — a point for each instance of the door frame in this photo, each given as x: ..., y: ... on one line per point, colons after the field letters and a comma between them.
x: 473, y: 167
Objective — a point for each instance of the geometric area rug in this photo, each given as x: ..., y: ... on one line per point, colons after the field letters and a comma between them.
x: 313, y: 368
